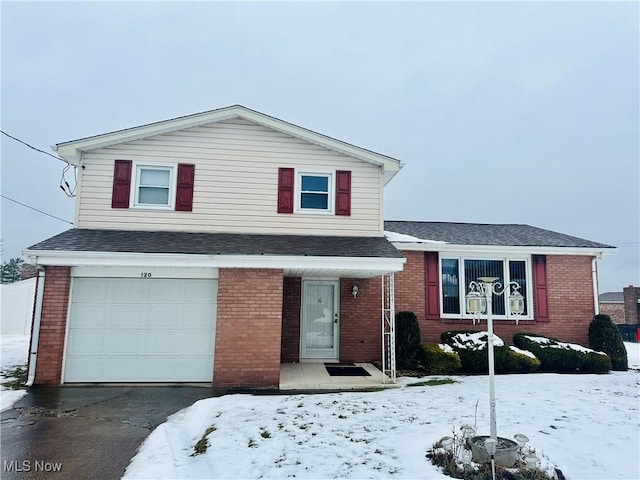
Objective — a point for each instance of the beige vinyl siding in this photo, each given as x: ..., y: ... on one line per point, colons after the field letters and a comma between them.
x: 236, y: 183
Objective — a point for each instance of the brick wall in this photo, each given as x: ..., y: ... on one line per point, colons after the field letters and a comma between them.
x: 570, y: 296
x: 360, y: 320
x: 290, y: 350
x: 614, y: 310
x: 52, y: 325
x: 248, y: 328
x: 631, y: 310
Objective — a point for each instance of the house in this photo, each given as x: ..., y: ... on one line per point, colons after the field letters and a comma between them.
x: 217, y: 246
x: 556, y: 274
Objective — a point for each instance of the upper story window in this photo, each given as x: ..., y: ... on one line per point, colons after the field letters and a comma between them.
x: 456, y: 274
x: 314, y: 192
x: 154, y: 186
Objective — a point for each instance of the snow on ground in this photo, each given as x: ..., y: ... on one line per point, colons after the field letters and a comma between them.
x: 585, y: 424
x: 633, y: 355
x: 13, y: 353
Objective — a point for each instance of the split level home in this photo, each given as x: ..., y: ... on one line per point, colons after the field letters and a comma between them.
x: 216, y: 247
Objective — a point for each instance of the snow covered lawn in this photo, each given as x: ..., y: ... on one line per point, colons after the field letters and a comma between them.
x: 585, y: 424
x: 13, y: 350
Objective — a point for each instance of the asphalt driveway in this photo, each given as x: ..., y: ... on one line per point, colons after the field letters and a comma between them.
x: 85, y: 432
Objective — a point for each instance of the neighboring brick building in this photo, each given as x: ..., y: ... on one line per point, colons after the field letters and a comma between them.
x: 623, y: 307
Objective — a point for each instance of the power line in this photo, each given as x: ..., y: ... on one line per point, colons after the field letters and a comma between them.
x: 33, y: 208
x: 69, y: 192
x: 32, y: 147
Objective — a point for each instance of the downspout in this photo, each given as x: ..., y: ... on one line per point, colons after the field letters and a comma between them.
x: 594, y: 281
x: 35, y: 329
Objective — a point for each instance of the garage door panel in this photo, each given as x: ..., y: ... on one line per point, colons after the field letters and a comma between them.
x: 141, y: 330
x: 162, y: 317
x: 117, y: 342
x: 90, y: 316
x: 198, y: 343
x: 86, y: 342
x: 123, y: 290
x: 196, y: 290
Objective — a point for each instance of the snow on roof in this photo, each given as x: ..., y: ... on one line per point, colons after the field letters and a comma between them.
x: 401, y: 237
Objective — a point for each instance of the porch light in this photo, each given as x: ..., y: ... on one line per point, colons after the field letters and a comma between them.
x: 354, y: 290
x: 476, y: 303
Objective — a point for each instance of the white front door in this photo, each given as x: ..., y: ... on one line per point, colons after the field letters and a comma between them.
x: 319, y: 326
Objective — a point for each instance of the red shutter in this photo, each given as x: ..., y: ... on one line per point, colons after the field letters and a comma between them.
x: 343, y: 192
x: 184, y: 187
x: 121, y: 184
x: 540, y: 294
x: 285, y: 190
x: 432, y: 285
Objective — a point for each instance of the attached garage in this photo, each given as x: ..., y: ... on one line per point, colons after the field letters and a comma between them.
x: 141, y: 325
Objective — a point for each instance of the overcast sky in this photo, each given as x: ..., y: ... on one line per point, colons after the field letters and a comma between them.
x: 503, y: 112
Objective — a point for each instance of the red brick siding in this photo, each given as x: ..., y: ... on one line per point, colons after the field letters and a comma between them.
x: 248, y: 328
x: 360, y: 320
x: 291, y: 302
x: 570, y: 292
x: 410, y: 286
x: 55, y: 302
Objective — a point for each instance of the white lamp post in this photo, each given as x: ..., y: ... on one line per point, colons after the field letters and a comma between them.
x: 480, y: 299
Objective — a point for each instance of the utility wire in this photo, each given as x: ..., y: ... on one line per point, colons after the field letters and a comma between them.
x: 39, y: 211
x: 69, y: 192
x: 32, y: 147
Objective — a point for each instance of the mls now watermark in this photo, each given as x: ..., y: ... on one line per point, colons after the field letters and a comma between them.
x: 31, y: 466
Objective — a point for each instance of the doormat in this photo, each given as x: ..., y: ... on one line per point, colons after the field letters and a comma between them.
x: 346, y: 371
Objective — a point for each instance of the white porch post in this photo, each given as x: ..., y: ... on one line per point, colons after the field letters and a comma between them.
x: 388, y: 328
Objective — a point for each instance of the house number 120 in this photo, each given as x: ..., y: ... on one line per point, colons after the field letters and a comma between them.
x: 145, y: 275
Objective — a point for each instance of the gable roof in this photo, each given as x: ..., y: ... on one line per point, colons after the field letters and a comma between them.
x: 72, y: 150
x: 482, y: 234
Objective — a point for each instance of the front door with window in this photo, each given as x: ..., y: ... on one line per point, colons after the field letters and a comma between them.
x: 319, y: 323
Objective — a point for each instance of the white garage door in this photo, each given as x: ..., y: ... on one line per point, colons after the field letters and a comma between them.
x: 141, y: 330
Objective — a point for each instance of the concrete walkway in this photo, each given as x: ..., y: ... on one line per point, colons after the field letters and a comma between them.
x: 85, y: 432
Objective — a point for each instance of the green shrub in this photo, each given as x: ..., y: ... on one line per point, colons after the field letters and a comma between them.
x: 407, y: 340
x: 596, y: 362
x: 521, y: 363
x: 604, y: 336
x: 474, y: 357
x: 556, y: 356
x: 436, y: 361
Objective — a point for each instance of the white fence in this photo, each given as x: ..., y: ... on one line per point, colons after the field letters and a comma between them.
x: 16, y: 302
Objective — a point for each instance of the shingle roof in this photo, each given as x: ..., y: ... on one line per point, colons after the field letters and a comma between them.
x: 489, y: 234
x: 130, y: 241
x: 613, y: 297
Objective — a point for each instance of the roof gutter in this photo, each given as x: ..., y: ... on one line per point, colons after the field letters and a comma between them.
x: 502, y: 249
x: 128, y: 259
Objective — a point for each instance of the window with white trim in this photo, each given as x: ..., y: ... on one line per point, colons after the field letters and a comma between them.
x: 315, y: 192
x: 457, y: 272
x: 154, y: 186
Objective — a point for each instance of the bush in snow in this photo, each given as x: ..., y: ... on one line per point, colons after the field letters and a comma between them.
x: 438, y: 359
x: 471, y: 346
x: 605, y: 337
x: 557, y: 356
x: 407, y: 340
